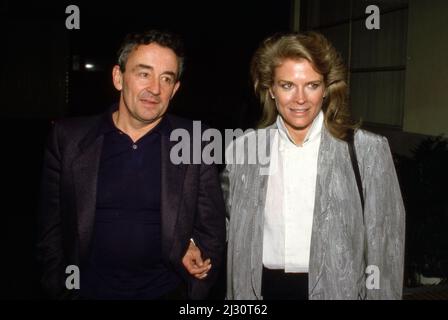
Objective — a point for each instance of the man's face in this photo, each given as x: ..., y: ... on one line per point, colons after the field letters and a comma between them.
x: 148, y: 83
x: 298, y: 90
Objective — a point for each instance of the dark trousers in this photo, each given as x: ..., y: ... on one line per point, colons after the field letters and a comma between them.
x: 278, y: 285
x: 180, y: 293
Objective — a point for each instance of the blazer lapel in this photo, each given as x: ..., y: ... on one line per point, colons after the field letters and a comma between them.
x: 172, y: 182
x: 319, y: 236
x: 260, y: 174
x: 85, y: 175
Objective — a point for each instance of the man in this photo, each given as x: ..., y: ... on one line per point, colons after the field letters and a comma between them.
x: 114, y: 205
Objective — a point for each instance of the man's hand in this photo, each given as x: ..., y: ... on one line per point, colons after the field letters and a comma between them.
x: 192, y: 261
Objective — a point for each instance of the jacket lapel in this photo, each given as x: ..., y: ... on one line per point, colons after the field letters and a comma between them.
x: 85, y: 176
x: 260, y: 174
x: 172, y: 182
x: 319, y: 236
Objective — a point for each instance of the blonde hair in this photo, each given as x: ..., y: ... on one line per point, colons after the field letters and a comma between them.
x: 324, y: 58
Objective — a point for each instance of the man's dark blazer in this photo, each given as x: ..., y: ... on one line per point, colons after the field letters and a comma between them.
x: 191, y: 205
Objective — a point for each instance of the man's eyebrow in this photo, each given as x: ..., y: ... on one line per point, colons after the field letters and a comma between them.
x: 170, y: 73
x: 145, y: 66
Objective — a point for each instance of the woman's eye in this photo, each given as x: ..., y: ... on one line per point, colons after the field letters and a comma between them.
x: 286, y: 85
x: 314, y: 85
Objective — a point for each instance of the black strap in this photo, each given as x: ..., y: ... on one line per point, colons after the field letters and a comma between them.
x: 354, y: 160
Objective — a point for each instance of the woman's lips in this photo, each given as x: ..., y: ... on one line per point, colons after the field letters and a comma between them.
x: 299, y: 111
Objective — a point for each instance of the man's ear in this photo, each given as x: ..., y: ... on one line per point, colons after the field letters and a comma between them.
x: 176, y: 87
x: 117, y: 78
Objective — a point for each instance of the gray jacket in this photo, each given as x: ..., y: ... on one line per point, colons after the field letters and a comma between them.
x: 337, y: 267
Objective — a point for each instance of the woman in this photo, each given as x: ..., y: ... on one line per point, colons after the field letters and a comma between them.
x: 305, y: 230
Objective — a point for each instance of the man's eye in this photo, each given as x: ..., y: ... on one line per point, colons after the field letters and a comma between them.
x: 143, y: 74
x: 168, y: 80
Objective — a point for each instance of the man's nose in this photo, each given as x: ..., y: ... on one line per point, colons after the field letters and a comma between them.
x: 153, y: 86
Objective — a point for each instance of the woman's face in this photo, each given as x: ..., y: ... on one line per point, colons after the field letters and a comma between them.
x: 298, y: 91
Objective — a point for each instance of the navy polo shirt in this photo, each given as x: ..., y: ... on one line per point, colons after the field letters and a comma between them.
x: 125, y: 260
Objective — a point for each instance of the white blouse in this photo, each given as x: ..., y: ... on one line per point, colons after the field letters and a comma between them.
x: 289, y: 207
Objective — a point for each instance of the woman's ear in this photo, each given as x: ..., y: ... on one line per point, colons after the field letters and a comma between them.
x: 271, y: 94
